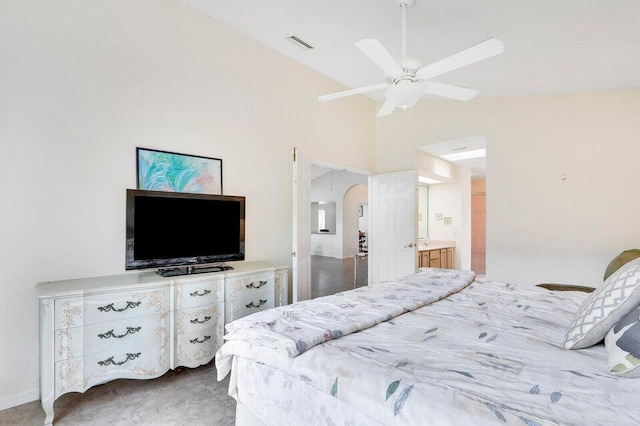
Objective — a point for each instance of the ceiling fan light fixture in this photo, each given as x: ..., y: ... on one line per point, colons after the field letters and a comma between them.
x: 404, y: 94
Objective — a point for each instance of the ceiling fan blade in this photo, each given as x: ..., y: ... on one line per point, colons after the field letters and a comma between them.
x: 449, y: 91
x: 352, y: 92
x: 387, y: 108
x: 480, y: 51
x: 380, y: 56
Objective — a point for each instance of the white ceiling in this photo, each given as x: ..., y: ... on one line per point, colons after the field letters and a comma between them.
x: 550, y: 46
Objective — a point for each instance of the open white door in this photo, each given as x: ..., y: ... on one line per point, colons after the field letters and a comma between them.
x: 301, y: 273
x: 392, y: 231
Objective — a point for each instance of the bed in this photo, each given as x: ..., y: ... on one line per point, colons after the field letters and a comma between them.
x: 437, y: 347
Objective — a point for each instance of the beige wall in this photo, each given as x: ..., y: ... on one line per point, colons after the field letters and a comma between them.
x: 561, y: 174
x: 84, y: 83
x: 355, y: 196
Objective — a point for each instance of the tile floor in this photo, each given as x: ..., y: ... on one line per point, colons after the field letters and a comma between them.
x: 330, y: 275
x: 189, y: 396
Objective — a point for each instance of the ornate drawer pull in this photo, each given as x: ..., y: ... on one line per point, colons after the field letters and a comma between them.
x: 194, y: 341
x: 110, y: 360
x: 195, y: 293
x: 251, y: 285
x: 253, y: 305
x: 110, y: 307
x: 197, y: 320
x: 108, y: 334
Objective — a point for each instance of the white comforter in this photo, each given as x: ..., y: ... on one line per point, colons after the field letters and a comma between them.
x: 489, y: 354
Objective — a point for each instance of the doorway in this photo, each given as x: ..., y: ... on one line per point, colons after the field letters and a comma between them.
x: 338, y: 196
x: 478, y: 226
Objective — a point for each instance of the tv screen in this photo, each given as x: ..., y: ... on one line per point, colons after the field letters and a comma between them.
x: 173, y: 229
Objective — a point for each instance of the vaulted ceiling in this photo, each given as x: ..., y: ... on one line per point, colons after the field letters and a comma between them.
x: 550, y: 46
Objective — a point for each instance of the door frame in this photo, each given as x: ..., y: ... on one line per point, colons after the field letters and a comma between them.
x: 297, y: 283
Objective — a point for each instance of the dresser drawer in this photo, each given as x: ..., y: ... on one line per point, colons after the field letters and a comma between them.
x: 247, y: 303
x: 199, y: 293
x: 198, y: 347
x: 199, y: 318
x: 134, y: 361
x: 79, y: 311
x: 252, y: 284
x: 82, y: 341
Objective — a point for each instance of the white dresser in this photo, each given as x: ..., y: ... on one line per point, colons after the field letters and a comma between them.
x: 138, y: 326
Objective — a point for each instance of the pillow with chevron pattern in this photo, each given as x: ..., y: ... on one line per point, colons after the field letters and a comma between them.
x: 603, y: 308
x: 623, y: 345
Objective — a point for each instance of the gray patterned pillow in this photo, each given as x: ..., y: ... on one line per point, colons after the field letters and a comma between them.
x: 604, y: 307
x: 623, y: 345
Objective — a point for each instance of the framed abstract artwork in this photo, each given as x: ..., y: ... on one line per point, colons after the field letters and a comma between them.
x: 173, y: 172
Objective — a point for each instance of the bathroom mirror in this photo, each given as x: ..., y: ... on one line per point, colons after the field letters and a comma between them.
x: 423, y: 212
x: 323, y: 217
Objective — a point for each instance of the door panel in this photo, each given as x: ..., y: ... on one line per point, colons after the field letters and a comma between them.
x: 393, y: 231
x: 301, y: 270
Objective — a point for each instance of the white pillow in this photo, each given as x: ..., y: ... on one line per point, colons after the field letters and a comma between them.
x: 623, y: 346
x: 604, y: 307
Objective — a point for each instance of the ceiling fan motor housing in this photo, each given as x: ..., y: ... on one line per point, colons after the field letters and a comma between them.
x: 410, y: 66
x: 405, y: 3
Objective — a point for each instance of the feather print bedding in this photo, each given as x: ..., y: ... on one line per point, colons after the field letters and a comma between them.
x: 486, y: 353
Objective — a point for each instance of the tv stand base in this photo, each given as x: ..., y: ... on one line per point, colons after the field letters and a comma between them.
x: 173, y: 272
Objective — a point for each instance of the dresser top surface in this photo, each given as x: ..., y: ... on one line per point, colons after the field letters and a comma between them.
x: 79, y: 286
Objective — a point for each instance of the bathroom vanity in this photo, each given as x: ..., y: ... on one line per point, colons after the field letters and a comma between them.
x: 436, y: 254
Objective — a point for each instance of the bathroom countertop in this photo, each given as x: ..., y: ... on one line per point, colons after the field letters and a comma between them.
x: 436, y: 245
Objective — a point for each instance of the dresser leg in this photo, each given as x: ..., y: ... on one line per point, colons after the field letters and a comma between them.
x: 47, y: 406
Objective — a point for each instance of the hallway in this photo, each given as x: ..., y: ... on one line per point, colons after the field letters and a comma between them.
x: 330, y: 275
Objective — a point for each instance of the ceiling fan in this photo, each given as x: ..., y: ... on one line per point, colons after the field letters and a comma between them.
x: 407, y: 80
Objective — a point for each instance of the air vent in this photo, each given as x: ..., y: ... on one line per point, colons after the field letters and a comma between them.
x: 300, y: 43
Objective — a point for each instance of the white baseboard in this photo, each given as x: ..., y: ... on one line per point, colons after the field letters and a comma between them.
x: 19, y: 399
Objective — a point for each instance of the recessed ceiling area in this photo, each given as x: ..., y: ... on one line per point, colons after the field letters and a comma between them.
x: 469, y: 152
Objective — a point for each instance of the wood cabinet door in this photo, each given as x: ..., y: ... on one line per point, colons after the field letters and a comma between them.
x: 434, y: 259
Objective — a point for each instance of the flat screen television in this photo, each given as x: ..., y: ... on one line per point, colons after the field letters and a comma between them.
x: 179, y: 231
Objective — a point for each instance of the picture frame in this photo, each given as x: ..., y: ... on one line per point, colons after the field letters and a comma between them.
x: 168, y: 171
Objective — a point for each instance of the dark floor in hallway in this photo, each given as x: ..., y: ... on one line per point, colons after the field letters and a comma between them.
x: 330, y: 275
